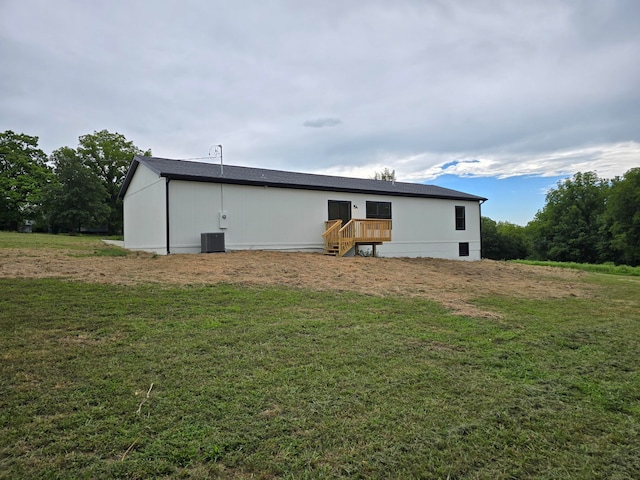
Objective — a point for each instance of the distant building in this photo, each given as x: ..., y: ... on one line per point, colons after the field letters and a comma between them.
x: 27, y: 226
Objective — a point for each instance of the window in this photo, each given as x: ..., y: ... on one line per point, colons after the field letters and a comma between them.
x: 460, y: 219
x: 463, y: 249
x: 379, y: 210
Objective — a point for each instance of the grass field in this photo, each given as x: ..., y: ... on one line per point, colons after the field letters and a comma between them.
x: 231, y: 381
x: 607, y: 268
x: 77, y: 245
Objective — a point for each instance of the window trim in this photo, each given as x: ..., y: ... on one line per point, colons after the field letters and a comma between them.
x: 463, y: 249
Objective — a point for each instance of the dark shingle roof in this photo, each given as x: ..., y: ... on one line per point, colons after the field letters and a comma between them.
x: 208, y: 172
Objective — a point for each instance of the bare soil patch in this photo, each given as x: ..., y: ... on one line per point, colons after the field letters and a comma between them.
x: 450, y: 282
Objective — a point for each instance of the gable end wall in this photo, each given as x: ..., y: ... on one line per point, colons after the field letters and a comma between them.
x: 144, y: 212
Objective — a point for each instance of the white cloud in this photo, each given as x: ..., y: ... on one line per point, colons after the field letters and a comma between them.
x: 606, y: 160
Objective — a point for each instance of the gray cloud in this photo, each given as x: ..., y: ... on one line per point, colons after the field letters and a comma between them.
x: 322, y: 122
x: 524, y: 88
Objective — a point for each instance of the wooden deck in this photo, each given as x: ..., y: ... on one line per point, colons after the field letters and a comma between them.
x: 339, y: 239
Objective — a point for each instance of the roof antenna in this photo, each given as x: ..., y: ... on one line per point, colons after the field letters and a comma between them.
x: 217, y: 150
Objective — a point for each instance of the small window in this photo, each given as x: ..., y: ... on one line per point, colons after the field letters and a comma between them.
x: 460, y: 219
x: 379, y: 210
x: 463, y: 249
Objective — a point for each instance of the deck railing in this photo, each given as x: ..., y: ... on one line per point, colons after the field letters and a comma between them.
x: 372, y: 230
x: 355, y: 231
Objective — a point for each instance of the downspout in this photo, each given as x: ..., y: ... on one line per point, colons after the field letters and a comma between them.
x: 166, y: 188
x: 480, y: 214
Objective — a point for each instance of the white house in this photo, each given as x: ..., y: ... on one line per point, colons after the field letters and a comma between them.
x: 169, y: 204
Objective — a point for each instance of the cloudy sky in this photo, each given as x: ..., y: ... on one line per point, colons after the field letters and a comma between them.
x: 496, y: 98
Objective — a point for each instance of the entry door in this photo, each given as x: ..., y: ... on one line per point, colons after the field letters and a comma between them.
x: 340, y: 210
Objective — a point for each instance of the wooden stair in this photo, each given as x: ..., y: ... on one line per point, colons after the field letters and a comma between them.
x: 332, y: 249
x: 339, y: 239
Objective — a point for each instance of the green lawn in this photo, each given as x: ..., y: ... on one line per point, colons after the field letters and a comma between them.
x: 606, y: 268
x: 79, y: 245
x: 248, y: 382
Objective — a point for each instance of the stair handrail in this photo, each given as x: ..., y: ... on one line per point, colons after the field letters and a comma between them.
x: 347, y: 237
x: 331, y: 234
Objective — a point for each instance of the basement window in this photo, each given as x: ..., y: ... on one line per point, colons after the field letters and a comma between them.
x: 463, y: 249
x: 460, y: 218
x: 379, y: 210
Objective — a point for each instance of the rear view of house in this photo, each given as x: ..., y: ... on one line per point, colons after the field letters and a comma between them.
x: 169, y: 204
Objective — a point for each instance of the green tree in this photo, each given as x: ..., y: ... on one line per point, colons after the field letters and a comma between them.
x: 109, y: 156
x: 567, y: 229
x: 76, y: 197
x: 503, y: 240
x: 385, y: 175
x: 490, y: 240
x: 514, y: 242
x: 622, y: 218
x: 23, y: 174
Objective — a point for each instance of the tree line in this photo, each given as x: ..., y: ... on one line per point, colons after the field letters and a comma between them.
x: 585, y: 219
x: 70, y: 190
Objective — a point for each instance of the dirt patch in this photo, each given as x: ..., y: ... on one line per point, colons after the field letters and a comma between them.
x: 452, y: 283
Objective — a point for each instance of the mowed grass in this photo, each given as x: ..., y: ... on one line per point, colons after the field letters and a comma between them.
x: 229, y: 381
x: 77, y: 245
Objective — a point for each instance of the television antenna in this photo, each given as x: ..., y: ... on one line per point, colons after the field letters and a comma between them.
x: 217, y: 151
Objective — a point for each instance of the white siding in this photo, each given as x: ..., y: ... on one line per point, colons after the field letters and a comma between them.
x: 426, y: 227
x: 258, y: 218
x: 144, y: 212
x: 292, y: 219
x: 283, y: 219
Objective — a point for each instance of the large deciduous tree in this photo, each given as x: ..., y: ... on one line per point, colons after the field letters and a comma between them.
x: 622, y: 218
x: 567, y: 229
x: 23, y: 174
x: 76, y: 197
x: 109, y: 155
